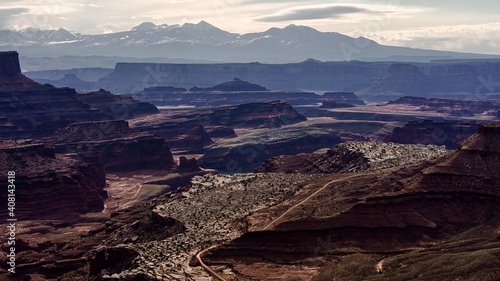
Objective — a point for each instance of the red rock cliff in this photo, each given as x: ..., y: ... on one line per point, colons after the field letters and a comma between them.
x: 48, y: 186
x: 11, y: 78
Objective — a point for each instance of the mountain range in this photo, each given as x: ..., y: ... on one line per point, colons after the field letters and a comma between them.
x: 205, y: 42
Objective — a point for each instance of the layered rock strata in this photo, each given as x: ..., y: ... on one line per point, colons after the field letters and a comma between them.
x: 114, y: 144
x: 49, y: 186
x: 379, y: 213
x: 448, y: 133
x: 191, y: 130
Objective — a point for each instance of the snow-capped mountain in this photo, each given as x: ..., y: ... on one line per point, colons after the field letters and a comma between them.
x: 34, y: 36
x: 203, y: 41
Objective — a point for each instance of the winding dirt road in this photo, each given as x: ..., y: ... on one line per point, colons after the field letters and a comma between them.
x: 212, y: 272
x: 206, y: 267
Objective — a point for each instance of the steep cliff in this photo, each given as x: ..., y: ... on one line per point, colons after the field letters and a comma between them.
x: 118, y: 106
x: 48, y: 186
x: 11, y: 78
x: 164, y: 96
x: 31, y: 110
x: 114, y: 144
x: 25, y: 110
x: 332, y: 76
x: 465, y: 79
x: 188, y: 130
x: 448, y: 133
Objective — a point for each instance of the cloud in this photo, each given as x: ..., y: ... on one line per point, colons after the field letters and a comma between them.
x: 311, y: 12
x: 476, y: 38
x: 7, y: 14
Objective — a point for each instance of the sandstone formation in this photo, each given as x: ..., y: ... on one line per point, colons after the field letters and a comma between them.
x: 118, y: 106
x: 24, y: 110
x: 11, y: 78
x: 50, y: 186
x: 336, y: 76
x: 30, y: 110
x: 188, y: 165
x: 473, y: 79
x: 70, y: 80
x: 411, y: 210
x: 353, y: 156
x: 186, y: 130
x: 448, y: 133
x: 171, y: 96
x: 235, y: 85
x: 114, y: 144
x: 91, y: 74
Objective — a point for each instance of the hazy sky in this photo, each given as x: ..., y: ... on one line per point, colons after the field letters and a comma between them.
x: 447, y: 25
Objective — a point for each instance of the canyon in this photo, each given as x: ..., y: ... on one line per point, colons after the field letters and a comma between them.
x: 375, y: 214
x: 226, y: 175
x: 372, y: 82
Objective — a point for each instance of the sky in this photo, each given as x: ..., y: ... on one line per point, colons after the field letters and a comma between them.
x: 459, y: 25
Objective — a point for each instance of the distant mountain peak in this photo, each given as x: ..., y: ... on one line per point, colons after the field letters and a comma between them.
x: 299, y: 27
x: 292, y: 26
x: 203, y: 41
x: 144, y: 26
x: 203, y: 25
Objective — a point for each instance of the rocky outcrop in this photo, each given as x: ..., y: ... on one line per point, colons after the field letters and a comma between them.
x: 384, y: 213
x: 170, y: 96
x: 25, y: 110
x: 235, y: 85
x: 109, y: 261
x: 186, y: 130
x: 70, y: 80
x: 28, y: 107
x: 118, y: 106
x: 353, y: 156
x: 114, y: 144
x: 48, y: 186
x: 31, y: 110
x: 181, y: 134
x: 9, y: 66
x: 188, y: 165
x: 91, y: 74
x: 11, y: 78
x: 448, y: 133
